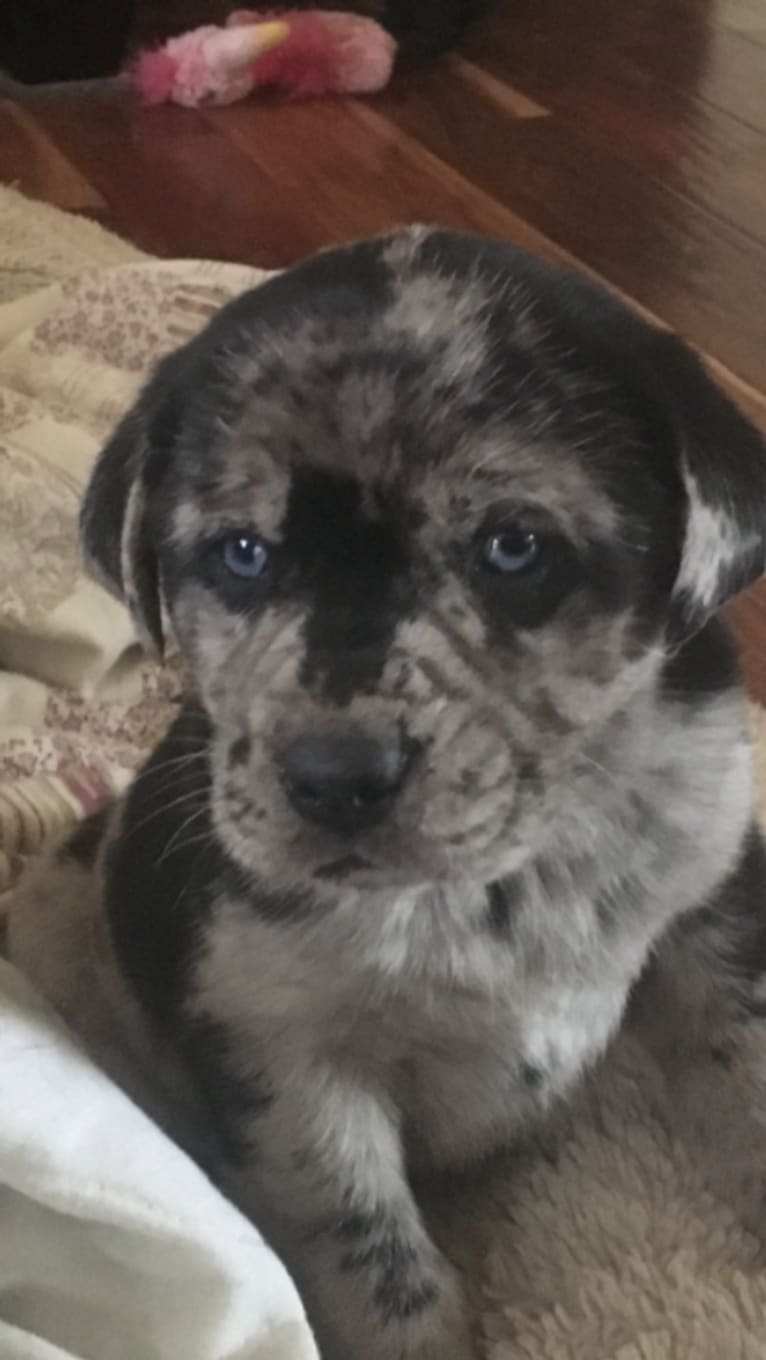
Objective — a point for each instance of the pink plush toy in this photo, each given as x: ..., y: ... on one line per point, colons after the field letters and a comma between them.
x: 310, y: 53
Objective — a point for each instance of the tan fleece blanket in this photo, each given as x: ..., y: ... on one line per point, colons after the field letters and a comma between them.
x: 608, y: 1247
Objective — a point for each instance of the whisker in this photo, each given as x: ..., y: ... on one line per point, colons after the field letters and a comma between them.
x: 195, y: 816
x: 187, y: 797
x: 176, y: 763
x: 205, y: 841
x: 621, y: 785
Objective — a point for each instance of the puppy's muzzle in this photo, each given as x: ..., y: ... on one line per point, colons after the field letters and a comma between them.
x: 344, y: 782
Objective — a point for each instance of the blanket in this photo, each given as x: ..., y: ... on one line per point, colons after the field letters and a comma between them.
x: 606, y: 1244
x: 114, y: 1246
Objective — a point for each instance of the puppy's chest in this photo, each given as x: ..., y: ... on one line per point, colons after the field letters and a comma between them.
x: 474, y: 1070
x: 469, y: 1037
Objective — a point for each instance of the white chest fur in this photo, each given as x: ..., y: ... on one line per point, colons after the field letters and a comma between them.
x: 466, y: 1034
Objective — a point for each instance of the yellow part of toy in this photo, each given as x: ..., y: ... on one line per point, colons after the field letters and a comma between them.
x: 259, y: 38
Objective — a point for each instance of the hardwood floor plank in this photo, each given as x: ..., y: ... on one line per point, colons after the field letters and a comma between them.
x: 352, y: 171
x: 33, y: 162
x: 665, y: 42
x: 695, y: 272
x: 708, y: 157
x: 505, y: 96
x: 178, y: 190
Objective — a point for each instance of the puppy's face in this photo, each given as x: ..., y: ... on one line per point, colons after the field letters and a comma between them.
x: 423, y: 520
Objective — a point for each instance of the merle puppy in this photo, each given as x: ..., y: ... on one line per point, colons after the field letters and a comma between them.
x: 442, y: 534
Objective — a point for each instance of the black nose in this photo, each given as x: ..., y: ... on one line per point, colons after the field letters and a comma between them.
x: 344, y: 782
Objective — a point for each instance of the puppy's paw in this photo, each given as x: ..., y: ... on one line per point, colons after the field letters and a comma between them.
x: 442, y: 1331
x: 429, y: 1326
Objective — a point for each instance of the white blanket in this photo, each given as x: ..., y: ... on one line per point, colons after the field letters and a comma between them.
x: 113, y: 1244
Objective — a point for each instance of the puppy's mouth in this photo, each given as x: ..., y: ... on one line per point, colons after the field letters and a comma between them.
x: 347, y: 866
x: 383, y: 860
x: 360, y: 869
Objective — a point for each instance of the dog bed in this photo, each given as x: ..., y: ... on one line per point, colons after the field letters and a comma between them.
x: 606, y: 1243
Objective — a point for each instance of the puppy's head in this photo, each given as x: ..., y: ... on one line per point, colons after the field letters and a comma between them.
x: 425, y: 515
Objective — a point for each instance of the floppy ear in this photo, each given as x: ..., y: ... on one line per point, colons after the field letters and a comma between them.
x: 722, y: 464
x: 116, y: 518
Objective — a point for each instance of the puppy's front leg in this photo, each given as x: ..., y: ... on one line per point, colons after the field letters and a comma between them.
x: 326, y: 1182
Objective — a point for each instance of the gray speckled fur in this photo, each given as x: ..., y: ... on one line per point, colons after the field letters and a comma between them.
x: 388, y: 1024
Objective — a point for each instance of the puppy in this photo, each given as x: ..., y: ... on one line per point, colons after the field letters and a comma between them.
x: 442, y: 535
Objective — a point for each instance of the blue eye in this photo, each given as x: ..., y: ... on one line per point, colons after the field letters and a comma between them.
x: 245, y: 556
x: 511, y: 552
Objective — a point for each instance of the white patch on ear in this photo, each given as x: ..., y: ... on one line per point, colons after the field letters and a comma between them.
x: 713, y: 545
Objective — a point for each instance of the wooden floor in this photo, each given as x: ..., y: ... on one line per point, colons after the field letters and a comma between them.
x: 627, y: 137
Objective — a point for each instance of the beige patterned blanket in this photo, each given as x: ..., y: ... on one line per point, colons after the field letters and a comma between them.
x: 81, y: 316
x: 614, y: 1249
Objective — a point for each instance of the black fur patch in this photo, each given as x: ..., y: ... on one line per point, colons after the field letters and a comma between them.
x: 236, y: 1101
x: 352, y: 571
x: 501, y: 899
x: 705, y: 665
x: 167, y: 868
x: 239, y: 751
x: 532, y: 1077
x: 85, y: 841
x: 163, y: 869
